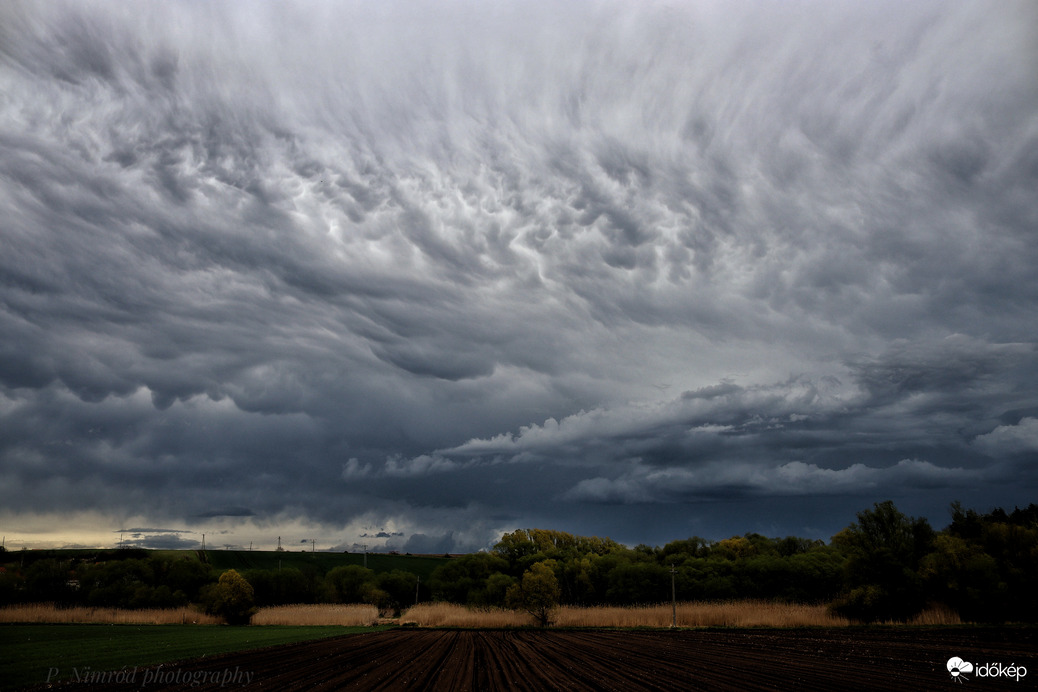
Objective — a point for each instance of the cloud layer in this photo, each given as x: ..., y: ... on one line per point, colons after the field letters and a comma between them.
x: 447, y: 269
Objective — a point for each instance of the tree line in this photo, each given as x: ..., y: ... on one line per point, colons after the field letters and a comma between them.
x: 884, y: 566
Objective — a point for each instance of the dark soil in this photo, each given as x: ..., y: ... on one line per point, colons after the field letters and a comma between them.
x: 897, y: 658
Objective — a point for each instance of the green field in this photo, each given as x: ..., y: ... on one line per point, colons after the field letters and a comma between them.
x: 30, y: 652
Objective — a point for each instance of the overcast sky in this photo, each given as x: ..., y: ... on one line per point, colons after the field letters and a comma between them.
x: 409, y: 275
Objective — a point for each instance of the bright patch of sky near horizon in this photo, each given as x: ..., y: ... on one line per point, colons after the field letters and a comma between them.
x: 417, y: 274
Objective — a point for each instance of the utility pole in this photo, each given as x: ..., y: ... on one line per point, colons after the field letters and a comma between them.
x: 416, y: 590
x: 673, y: 598
x: 365, y: 556
x: 203, y: 542
x: 313, y: 545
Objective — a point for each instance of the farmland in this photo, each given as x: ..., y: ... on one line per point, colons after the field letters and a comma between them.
x: 901, y: 658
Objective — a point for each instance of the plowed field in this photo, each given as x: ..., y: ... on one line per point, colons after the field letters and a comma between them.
x: 806, y: 659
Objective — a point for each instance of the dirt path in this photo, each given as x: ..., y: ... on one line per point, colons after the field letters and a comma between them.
x: 447, y: 660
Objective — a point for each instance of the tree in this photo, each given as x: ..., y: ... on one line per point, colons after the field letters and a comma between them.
x: 960, y: 574
x: 47, y: 580
x: 526, y: 546
x: 537, y: 593
x: 881, y: 577
x: 467, y: 579
x: 282, y: 586
x: 638, y: 582
x: 232, y: 598
x: 984, y: 564
x: 400, y: 588
x: 350, y: 583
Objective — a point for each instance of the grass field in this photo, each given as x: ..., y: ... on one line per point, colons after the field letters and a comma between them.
x: 31, y: 651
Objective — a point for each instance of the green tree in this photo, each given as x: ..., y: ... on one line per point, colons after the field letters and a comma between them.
x: 232, y: 598
x: 467, y: 579
x: 525, y: 546
x: 282, y: 586
x: 349, y: 583
x: 400, y: 588
x: 12, y: 587
x: 188, y: 575
x: 677, y: 552
x: 638, y: 582
x: 960, y: 574
x: 984, y: 564
x: 881, y: 575
x: 48, y: 580
x: 537, y: 593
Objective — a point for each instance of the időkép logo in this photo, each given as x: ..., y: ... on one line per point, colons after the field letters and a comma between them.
x: 961, y: 670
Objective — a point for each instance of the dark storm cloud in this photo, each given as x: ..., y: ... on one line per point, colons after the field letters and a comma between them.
x: 157, y: 539
x: 382, y: 265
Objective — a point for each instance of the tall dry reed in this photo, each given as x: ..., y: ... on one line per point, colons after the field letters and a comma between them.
x: 454, y: 615
x: 702, y: 614
x: 49, y: 613
x: 936, y: 615
x: 721, y: 614
x: 357, y: 615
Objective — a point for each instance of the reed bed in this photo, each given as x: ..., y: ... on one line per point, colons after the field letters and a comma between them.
x: 703, y: 614
x: 355, y: 615
x: 49, y: 613
x: 453, y: 615
x: 696, y: 614
x: 936, y: 615
x: 692, y: 614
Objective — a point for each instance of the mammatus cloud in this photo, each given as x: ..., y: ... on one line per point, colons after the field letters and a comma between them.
x: 450, y: 270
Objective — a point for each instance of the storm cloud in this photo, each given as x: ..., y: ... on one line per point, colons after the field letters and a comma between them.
x: 420, y: 273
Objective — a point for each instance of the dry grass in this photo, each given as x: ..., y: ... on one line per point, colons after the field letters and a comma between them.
x: 324, y: 614
x: 345, y: 615
x: 703, y: 614
x: 937, y: 615
x: 453, y: 615
x: 723, y: 614
x: 49, y: 613
x: 696, y: 614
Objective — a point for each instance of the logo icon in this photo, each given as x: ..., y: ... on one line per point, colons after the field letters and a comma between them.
x: 957, y: 667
